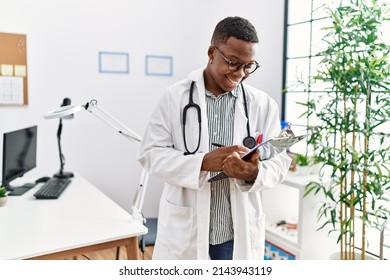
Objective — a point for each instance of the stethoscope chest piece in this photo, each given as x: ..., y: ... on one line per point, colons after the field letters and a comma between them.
x: 249, y: 142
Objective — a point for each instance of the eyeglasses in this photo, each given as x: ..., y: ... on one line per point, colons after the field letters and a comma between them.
x: 235, y: 65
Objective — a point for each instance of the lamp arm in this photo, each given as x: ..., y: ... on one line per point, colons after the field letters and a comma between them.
x: 138, y: 201
x: 101, y: 114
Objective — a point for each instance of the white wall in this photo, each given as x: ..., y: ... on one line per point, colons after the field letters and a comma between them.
x: 63, y: 41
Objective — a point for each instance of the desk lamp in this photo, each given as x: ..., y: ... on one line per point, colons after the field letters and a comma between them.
x: 93, y: 108
x: 61, y: 173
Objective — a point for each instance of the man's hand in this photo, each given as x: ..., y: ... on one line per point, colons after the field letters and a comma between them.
x: 235, y: 167
x: 213, y: 160
x: 228, y: 159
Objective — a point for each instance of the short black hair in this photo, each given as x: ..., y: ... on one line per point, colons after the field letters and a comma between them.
x: 236, y: 27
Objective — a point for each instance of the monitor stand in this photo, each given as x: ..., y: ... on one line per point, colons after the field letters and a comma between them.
x: 8, y: 187
x: 15, y: 191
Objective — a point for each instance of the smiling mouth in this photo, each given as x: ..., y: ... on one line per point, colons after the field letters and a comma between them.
x: 234, y: 82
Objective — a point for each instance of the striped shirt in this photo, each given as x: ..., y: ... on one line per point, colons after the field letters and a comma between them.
x: 220, y: 115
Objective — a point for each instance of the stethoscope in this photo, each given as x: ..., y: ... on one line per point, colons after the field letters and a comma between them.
x: 248, y: 141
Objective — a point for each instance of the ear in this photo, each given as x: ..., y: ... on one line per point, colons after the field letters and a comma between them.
x: 210, y: 53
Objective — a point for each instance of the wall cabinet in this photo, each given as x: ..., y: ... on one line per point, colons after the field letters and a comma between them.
x: 285, y: 202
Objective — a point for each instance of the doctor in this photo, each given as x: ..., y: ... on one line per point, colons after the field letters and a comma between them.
x: 200, y: 127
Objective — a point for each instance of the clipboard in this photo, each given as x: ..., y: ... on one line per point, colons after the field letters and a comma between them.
x: 280, y: 143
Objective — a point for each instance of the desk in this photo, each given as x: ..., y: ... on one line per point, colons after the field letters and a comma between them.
x: 81, y: 220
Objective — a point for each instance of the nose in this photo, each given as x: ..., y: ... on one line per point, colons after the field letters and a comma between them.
x: 241, y: 71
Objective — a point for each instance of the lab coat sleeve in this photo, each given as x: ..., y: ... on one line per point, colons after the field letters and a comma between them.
x: 160, y: 152
x: 274, y: 164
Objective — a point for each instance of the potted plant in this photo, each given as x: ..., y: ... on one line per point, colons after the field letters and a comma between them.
x: 348, y: 118
x: 303, y: 164
x: 3, y: 196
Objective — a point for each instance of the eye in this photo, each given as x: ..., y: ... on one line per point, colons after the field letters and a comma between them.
x: 249, y: 68
x: 234, y: 63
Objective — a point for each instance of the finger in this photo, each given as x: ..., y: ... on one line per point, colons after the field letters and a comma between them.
x: 255, y: 157
x: 236, y: 148
x: 227, y: 165
x: 235, y: 158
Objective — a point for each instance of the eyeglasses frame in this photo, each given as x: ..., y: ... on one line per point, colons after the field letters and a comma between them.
x: 229, y: 62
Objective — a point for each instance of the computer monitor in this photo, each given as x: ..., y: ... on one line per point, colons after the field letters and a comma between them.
x: 19, y: 154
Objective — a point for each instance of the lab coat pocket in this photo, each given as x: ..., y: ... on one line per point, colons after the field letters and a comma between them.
x: 177, y: 232
x: 257, y: 234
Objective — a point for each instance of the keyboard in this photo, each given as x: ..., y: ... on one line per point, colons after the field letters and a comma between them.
x: 53, y: 188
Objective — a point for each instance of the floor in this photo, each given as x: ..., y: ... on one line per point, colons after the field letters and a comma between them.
x: 110, y: 254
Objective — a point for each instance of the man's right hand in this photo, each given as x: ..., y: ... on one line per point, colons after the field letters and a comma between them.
x: 213, y: 160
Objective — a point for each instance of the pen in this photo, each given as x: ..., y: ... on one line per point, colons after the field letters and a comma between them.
x: 259, y: 139
x: 217, y: 145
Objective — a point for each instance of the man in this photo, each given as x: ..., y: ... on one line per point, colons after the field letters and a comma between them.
x: 199, y: 128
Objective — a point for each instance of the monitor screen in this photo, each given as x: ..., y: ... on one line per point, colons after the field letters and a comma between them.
x: 19, y: 153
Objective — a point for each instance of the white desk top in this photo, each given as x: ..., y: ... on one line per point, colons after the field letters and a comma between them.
x: 81, y: 216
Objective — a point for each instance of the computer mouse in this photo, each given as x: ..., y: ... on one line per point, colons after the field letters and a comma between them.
x: 43, y: 179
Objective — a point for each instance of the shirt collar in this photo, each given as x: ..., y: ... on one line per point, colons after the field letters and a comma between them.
x: 234, y: 93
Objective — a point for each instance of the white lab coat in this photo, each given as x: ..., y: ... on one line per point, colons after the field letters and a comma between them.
x: 184, y: 212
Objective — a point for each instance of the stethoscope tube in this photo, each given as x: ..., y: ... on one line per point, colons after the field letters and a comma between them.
x: 248, y: 141
x: 191, y: 104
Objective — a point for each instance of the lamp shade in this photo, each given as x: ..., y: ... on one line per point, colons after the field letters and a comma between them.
x: 63, y: 111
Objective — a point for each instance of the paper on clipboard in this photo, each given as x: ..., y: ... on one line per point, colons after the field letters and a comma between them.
x: 286, y: 142
x: 278, y: 143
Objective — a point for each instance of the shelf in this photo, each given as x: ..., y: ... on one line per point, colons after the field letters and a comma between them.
x: 291, y: 238
x: 282, y: 240
x: 299, y: 181
x: 281, y: 203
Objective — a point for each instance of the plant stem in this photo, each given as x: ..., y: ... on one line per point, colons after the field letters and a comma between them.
x: 354, y: 163
x: 366, y: 147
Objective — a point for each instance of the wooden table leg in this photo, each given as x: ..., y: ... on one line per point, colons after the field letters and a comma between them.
x: 132, y: 249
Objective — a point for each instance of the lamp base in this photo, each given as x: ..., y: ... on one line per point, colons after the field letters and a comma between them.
x: 62, y: 174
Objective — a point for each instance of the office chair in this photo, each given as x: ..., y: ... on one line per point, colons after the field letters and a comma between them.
x: 148, y: 239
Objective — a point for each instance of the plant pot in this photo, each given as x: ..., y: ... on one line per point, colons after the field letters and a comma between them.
x: 303, y: 170
x: 3, y: 200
